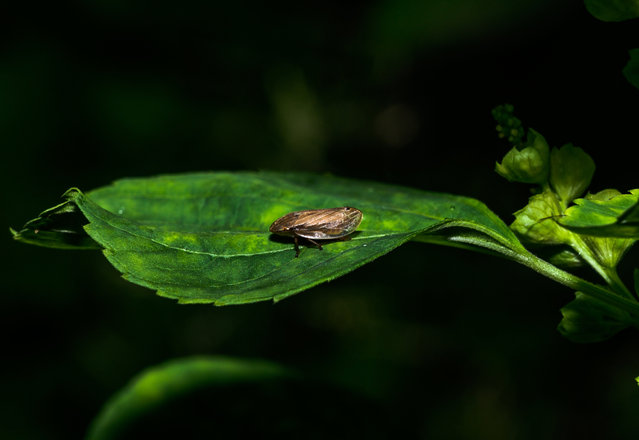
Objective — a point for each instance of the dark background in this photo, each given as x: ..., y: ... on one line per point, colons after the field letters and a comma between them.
x: 450, y: 343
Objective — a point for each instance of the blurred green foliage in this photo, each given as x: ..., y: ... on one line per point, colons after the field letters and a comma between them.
x: 613, y: 10
x: 213, y: 396
x: 390, y: 91
x: 631, y: 71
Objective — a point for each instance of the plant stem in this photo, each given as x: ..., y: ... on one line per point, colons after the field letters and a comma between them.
x: 618, y: 285
x: 574, y: 282
x: 520, y: 254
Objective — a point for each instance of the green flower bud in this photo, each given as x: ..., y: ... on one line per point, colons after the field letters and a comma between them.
x: 528, y: 165
x: 571, y: 170
x: 508, y: 126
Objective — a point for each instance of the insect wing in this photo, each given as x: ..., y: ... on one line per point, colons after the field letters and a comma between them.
x: 325, y: 224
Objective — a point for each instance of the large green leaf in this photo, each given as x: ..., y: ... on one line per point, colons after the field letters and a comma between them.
x: 203, y: 238
x: 617, y: 216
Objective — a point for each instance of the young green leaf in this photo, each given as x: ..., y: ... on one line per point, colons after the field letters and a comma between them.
x: 535, y: 223
x: 204, y: 238
x: 605, y: 214
x: 586, y: 319
x: 607, y: 250
x: 571, y: 170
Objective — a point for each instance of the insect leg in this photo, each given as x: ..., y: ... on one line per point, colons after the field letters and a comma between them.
x: 297, y: 246
x: 319, y: 246
x: 296, y: 238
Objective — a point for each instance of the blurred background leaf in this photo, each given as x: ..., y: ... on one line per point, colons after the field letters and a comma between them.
x: 613, y: 10
x: 97, y: 90
x: 212, y: 396
x: 631, y: 71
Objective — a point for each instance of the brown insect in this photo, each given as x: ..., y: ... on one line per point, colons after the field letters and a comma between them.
x: 318, y: 224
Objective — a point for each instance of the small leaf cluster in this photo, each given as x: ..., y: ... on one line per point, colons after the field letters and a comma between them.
x: 596, y: 230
